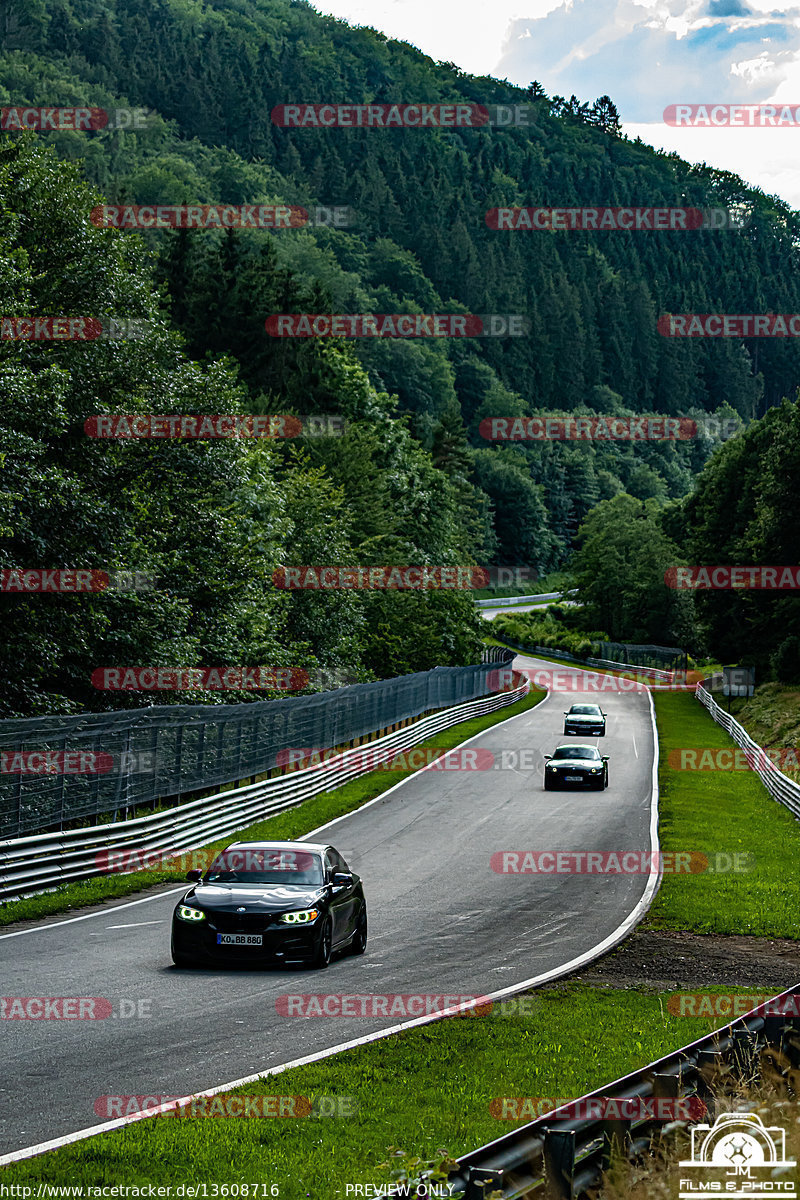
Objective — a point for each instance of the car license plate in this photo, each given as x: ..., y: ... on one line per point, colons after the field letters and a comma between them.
x: 239, y: 939
x: 573, y: 778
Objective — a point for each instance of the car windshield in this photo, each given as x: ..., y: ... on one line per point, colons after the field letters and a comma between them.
x: 576, y: 752
x: 260, y: 865
x: 584, y: 710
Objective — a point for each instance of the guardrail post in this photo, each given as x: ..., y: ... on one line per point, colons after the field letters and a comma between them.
x: 481, y: 1182
x: 710, y: 1073
x: 780, y: 1050
x: 744, y: 1055
x: 121, y: 804
x: 666, y: 1087
x: 559, y: 1163
x: 18, y: 803
x: 616, y: 1140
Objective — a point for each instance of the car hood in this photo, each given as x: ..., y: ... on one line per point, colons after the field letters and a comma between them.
x: 221, y: 897
x: 569, y: 763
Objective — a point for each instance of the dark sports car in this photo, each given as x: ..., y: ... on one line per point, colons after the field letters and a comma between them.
x: 586, y: 719
x: 270, y: 902
x: 576, y: 766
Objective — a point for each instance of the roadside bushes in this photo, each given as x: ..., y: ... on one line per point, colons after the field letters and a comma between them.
x: 786, y: 660
x: 549, y: 631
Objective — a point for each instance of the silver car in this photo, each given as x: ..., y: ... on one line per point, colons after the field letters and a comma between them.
x: 586, y: 719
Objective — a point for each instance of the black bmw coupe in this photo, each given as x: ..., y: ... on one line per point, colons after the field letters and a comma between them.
x: 576, y: 766
x: 270, y: 902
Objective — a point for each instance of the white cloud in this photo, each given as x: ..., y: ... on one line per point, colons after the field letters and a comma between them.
x: 469, y: 33
x: 765, y: 158
x: 645, y: 54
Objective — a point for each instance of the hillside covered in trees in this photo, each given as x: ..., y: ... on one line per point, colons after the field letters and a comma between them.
x: 413, y: 480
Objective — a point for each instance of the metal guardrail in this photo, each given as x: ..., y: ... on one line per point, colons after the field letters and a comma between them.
x: 779, y: 786
x: 535, y: 598
x: 107, y: 765
x: 549, y: 652
x: 571, y: 1153
x: 491, y: 654
x: 32, y: 864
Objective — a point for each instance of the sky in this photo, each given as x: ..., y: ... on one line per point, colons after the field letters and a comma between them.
x: 645, y: 54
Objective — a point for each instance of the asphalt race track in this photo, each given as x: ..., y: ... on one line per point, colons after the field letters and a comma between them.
x: 441, y: 922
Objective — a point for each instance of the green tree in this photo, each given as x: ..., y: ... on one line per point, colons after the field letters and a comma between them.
x: 619, y: 568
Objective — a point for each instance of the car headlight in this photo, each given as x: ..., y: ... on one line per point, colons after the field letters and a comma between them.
x: 190, y: 914
x: 595, y: 770
x: 550, y: 768
x: 300, y: 918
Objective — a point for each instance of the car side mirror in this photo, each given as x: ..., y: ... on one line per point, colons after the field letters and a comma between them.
x: 342, y: 879
x: 195, y: 876
x: 605, y: 758
x: 602, y: 714
x: 547, y: 756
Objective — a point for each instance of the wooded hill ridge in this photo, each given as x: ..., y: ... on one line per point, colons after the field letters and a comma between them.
x: 414, y: 480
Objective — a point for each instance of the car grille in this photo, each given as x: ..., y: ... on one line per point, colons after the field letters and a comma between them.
x: 227, y: 922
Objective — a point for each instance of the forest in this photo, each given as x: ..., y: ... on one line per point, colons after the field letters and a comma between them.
x: 410, y: 476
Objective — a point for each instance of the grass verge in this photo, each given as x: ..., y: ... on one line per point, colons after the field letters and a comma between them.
x: 294, y: 823
x: 431, y: 1087
x: 721, y: 813
x: 772, y: 718
x: 427, y: 1088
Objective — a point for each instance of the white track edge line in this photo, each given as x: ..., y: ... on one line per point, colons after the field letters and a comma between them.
x: 612, y: 939
x: 103, y: 912
x: 428, y: 767
x: 111, y: 907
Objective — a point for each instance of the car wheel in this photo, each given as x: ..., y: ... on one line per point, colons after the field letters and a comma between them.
x: 605, y: 780
x: 602, y: 733
x: 548, y: 787
x: 359, y: 942
x: 322, y: 955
